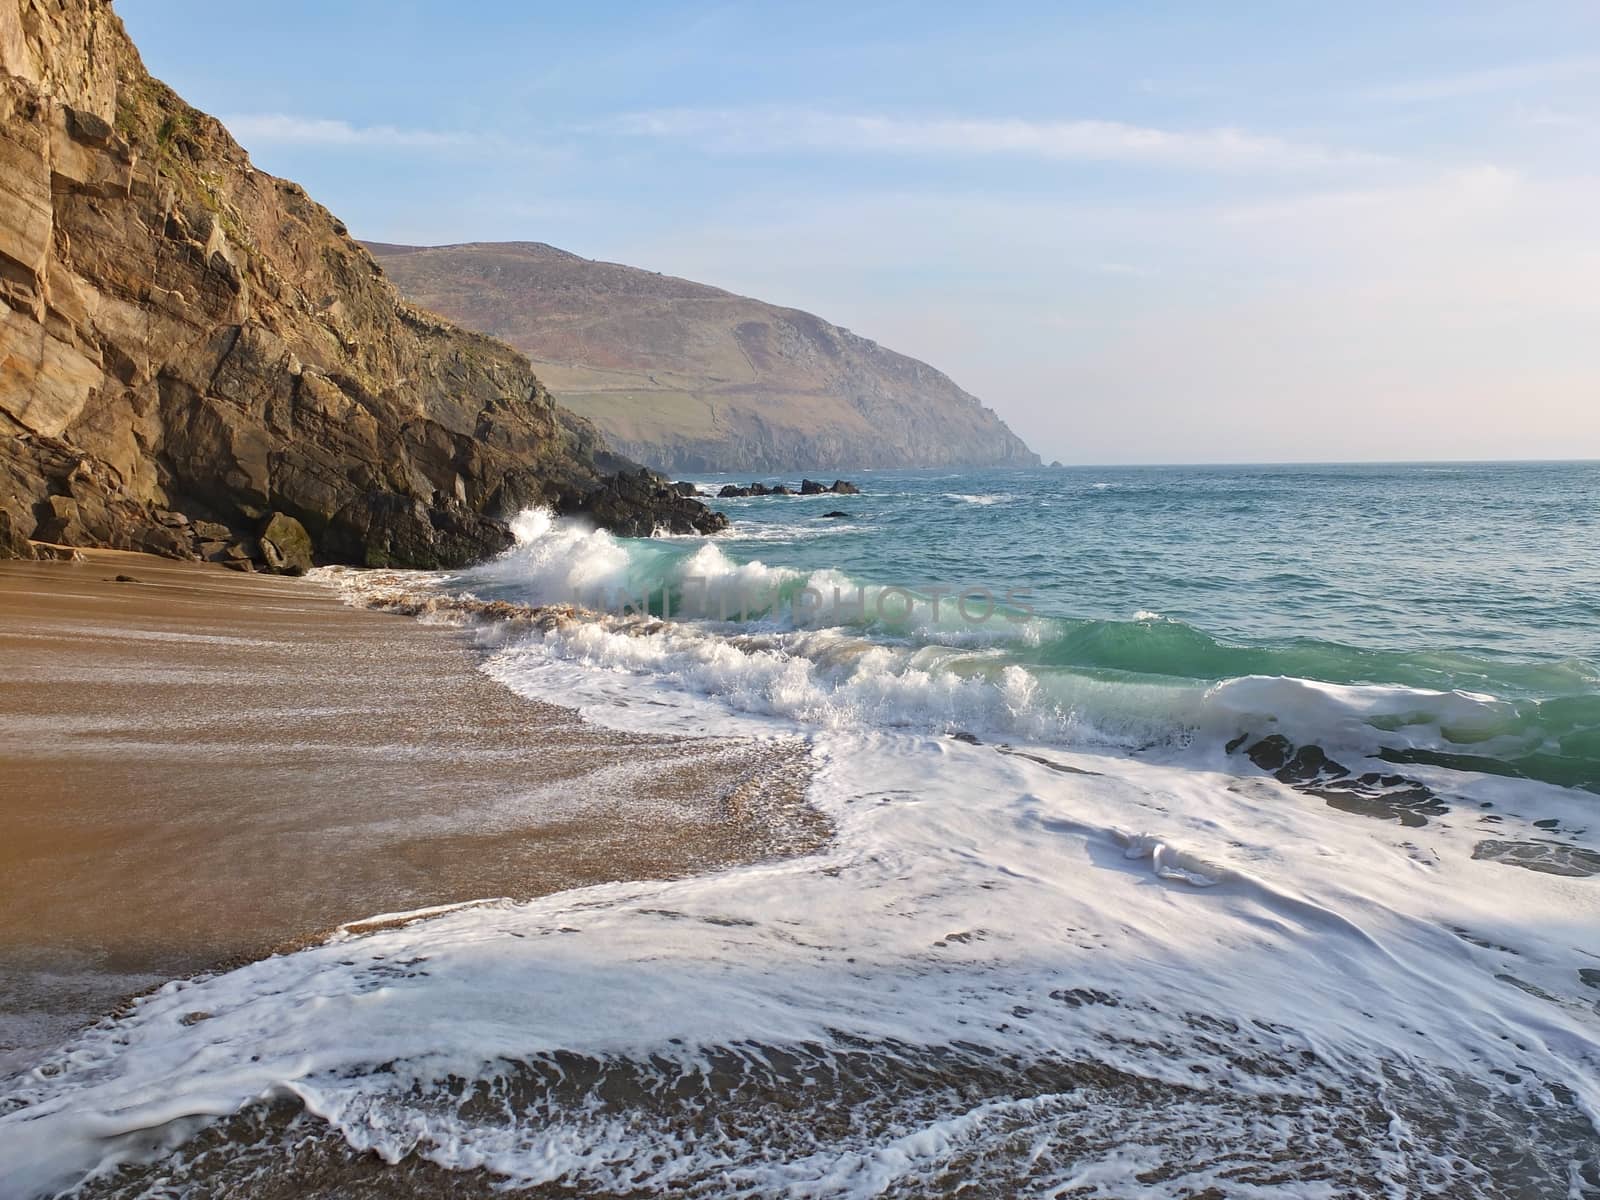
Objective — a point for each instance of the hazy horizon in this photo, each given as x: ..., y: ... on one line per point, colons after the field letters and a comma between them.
x: 1143, y: 238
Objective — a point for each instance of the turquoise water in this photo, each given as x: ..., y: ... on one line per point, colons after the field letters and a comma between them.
x: 1453, y: 608
x: 1493, y: 562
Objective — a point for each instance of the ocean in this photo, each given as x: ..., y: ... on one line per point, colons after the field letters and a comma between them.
x: 1197, y: 831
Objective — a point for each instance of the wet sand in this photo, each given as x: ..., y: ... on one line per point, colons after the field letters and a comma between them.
x: 201, y: 767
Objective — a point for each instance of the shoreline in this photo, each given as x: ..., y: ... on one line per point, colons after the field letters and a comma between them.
x: 208, y: 767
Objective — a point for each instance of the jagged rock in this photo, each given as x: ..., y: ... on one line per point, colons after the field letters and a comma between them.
x: 61, y: 522
x: 285, y: 545
x: 183, y: 333
x: 165, y: 541
x: 211, y: 531
x: 387, y: 529
x: 12, y: 543
x: 684, y: 488
x: 810, y: 487
x: 843, y: 487
x: 639, y: 505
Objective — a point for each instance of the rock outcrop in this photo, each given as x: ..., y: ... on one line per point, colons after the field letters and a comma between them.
x: 808, y: 487
x: 182, y: 333
x: 638, y: 505
x: 687, y: 377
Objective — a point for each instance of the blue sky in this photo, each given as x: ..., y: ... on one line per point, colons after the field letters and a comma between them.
x: 1142, y: 233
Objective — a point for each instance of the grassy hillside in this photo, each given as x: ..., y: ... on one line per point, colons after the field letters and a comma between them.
x: 689, y: 377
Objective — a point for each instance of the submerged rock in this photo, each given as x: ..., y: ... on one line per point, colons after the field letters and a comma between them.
x: 1308, y: 769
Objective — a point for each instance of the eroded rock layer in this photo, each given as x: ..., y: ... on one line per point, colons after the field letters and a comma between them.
x: 182, y: 333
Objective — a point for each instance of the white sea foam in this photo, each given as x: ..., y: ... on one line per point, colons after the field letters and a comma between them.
x: 972, y: 899
x: 984, y: 499
x: 1207, y: 973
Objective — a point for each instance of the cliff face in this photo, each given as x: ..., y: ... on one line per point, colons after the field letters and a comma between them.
x: 687, y: 377
x: 185, y: 338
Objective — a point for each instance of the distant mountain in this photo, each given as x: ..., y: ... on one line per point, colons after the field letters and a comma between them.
x: 686, y: 377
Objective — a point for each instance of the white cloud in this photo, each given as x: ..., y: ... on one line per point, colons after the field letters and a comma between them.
x: 1511, y: 77
x: 761, y: 130
x: 280, y: 129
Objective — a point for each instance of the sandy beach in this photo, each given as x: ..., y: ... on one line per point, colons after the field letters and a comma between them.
x: 203, y: 767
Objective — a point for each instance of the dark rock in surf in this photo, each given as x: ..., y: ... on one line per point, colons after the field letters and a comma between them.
x: 1309, y: 770
x: 835, y: 513
x: 840, y: 487
x: 808, y: 487
x: 387, y: 529
x: 1545, y: 857
x: 640, y: 505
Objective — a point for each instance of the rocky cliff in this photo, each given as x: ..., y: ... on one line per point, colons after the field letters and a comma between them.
x: 687, y: 377
x: 189, y: 346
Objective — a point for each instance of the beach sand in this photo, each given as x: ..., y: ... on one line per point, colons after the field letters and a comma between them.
x: 200, y: 767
